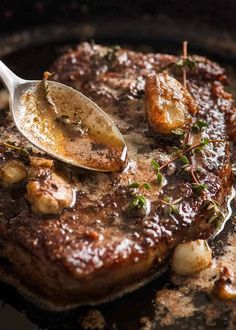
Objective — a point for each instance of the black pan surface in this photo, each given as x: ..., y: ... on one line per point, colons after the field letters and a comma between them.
x: 29, y: 54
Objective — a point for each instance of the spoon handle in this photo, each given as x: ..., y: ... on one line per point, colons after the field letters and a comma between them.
x: 9, y: 78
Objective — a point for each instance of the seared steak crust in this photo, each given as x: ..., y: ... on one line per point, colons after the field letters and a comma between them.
x: 95, y: 251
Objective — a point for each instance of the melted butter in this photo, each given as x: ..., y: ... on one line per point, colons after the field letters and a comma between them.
x: 84, y: 139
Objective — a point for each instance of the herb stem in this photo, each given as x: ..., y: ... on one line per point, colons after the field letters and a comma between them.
x: 194, y: 176
x: 185, y: 55
x: 171, y: 203
x: 181, y: 153
x: 172, y: 160
x: 187, y: 151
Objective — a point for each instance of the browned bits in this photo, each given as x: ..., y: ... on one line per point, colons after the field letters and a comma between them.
x: 41, y: 162
x: 93, y: 320
x: 225, y: 286
x: 92, y: 234
x: 218, y: 91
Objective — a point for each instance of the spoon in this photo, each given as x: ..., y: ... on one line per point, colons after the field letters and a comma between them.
x: 64, y: 123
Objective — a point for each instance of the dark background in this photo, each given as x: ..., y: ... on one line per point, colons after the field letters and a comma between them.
x: 15, y: 15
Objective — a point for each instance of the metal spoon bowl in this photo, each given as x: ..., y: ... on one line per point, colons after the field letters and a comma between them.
x: 50, y: 119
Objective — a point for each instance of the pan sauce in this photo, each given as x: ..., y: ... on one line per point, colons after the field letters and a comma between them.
x: 59, y: 123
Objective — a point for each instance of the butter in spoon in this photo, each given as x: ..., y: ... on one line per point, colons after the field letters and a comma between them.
x: 64, y: 123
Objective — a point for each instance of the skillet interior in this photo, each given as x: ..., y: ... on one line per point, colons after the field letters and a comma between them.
x: 29, y: 62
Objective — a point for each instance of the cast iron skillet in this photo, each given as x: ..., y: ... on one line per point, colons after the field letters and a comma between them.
x: 29, y: 54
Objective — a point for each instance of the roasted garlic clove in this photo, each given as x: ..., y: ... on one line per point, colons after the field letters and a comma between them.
x: 48, y: 192
x: 191, y: 257
x: 169, y: 105
x: 11, y: 172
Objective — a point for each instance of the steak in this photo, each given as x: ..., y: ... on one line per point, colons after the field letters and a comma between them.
x: 97, y: 249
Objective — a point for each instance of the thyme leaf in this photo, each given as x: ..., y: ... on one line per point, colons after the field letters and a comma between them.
x: 166, y: 199
x: 199, y: 125
x: 184, y: 160
x: 199, y: 187
x: 202, y: 145
x: 217, y: 215
x: 134, y: 185
x: 147, y: 186
x: 155, y: 166
x: 177, y: 150
x: 138, y: 205
x: 159, y: 175
x: 187, y: 63
x: 160, y: 178
x: 139, y: 201
x: 173, y: 209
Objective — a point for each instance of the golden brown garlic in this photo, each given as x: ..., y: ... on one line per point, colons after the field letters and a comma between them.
x: 169, y: 105
x: 48, y: 192
x: 11, y: 172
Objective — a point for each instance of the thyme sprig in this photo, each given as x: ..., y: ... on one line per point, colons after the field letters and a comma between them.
x: 199, y: 126
x: 196, y: 148
x: 184, y: 160
x: 22, y: 151
x: 187, y: 163
x: 156, y: 168
x: 138, y: 206
x: 139, y: 202
x: 199, y: 187
x: 183, y: 64
x: 187, y: 63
